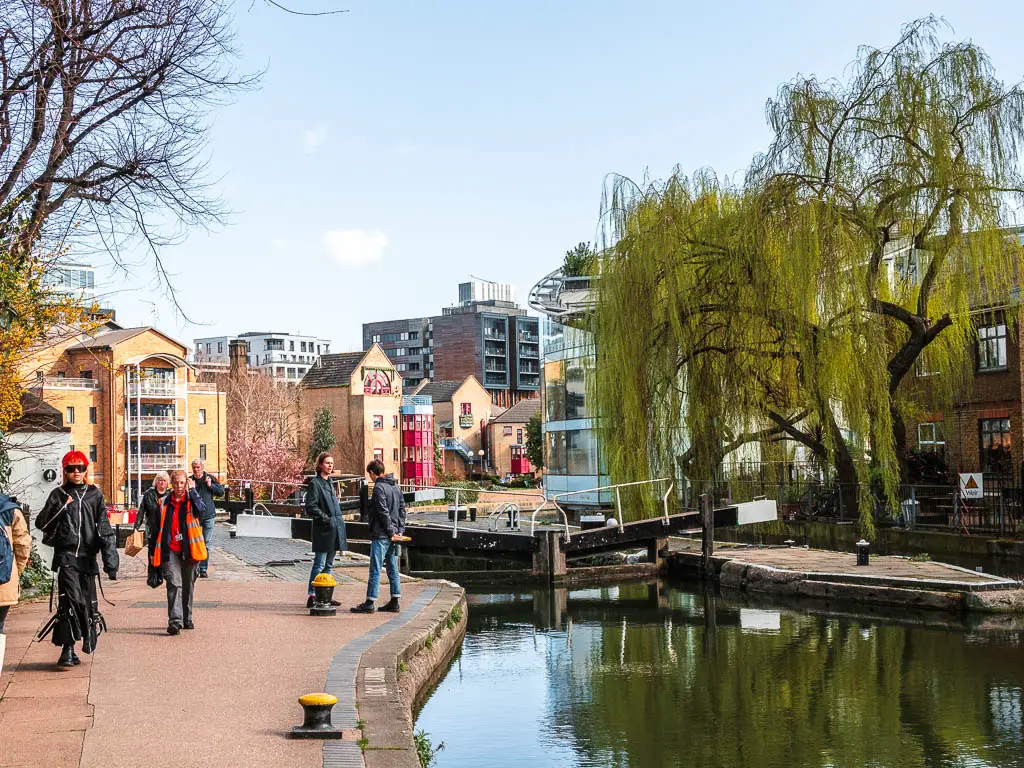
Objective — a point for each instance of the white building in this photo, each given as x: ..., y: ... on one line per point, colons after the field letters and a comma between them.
x: 284, y: 355
x: 484, y: 290
x: 72, y: 278
x: 36, y: 443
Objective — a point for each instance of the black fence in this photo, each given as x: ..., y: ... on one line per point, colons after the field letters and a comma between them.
x: 999, y: 511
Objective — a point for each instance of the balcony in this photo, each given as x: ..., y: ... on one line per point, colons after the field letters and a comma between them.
x: 157, y: 462
x: 494, y: 335
x: 531, y: 352
x: 155, y: 388
x: 60, y: 382
x: 156, y: 425
x: 201, y: 387
x: 529, y: 338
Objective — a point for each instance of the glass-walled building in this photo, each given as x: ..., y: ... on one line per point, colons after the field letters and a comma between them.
x: 572, y: 456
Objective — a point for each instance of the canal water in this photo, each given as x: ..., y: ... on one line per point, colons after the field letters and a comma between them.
x: 655, y: 674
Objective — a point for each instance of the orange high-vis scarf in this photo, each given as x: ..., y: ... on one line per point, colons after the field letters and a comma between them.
x: 196, y: 544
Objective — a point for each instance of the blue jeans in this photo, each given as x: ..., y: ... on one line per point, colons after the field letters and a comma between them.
x: 322, y: 563
x: 207, y: 535
x: 383, y: 551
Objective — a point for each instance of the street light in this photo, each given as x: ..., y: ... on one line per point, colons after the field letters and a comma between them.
x: 480, y: 453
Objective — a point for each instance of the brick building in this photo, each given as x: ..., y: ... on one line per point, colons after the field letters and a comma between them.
x: 982, y: 430
x: 486, y: 335
x: 506, y: 439
x: 462, y: 410
x: 132, y: 404
x: 364, y: 392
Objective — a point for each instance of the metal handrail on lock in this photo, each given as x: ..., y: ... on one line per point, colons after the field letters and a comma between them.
x: 618, y: 497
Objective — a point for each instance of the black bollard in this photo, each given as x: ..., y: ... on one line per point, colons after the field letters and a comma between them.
x: 323, y: 594
x: 863, y: 552
x: 316, y: 720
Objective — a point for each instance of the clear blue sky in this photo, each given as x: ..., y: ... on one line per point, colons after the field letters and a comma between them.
x: 394, y: 150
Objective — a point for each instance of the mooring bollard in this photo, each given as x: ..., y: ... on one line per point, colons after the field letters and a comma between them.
x: 316, y: 721
x: 863, y: 552
x: 323, y: 594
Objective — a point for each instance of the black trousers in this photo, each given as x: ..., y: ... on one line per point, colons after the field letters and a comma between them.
x: 77, y: 609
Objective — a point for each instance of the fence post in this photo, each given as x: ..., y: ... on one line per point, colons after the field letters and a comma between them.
x: 707, y: 522
x: 841, y: 505
x: 913, y: 507
x: 1002, y: 513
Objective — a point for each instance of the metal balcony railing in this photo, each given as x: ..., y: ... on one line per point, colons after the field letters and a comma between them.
x: 59, y: 382
x: 157, y: 462
x: 155, y: 388
x: 156, y: 425
x: 460, y: 446
x: 195, y: 386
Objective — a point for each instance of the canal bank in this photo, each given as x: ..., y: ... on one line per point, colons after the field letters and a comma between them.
x: 836, y: 576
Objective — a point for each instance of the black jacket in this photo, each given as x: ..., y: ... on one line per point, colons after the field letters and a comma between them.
x: 387, y: 508
x: 78, y: 528
x: 207, y: 494
x: 328, y: 524
x: 149, y: 511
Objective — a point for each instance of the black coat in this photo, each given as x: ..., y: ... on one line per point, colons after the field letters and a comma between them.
x: 207, y: 494
x: 78, y: 528
x: 328, y: 524
x: 387, y: 508
x: 149, y: 510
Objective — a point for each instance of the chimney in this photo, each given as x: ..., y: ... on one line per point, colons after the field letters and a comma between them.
x: 238, y: 356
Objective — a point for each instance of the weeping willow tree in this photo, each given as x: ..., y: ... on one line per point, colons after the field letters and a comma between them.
x: 794, y: 304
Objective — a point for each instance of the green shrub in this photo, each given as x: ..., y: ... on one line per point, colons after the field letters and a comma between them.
x: 425, y: 751
x: 469, y: 492
x: 36, y: 575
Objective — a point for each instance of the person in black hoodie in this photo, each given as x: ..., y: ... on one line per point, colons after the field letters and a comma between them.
x: 387, y: 526
x: 74, y: 522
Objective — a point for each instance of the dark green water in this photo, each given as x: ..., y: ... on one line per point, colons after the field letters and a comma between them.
x: 655, y: 675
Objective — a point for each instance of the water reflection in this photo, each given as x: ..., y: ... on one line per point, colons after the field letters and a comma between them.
x: 647, y: 674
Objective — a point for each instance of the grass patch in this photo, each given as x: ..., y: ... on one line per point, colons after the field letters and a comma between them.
x: 360, y: 724
x: 402, y: 666
x: 364, y: 744
x: 425, y: 750
x: 430, y: 642
x: 921, y: 557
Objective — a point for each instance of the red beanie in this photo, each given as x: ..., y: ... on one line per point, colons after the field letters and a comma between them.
x: 74, y: 457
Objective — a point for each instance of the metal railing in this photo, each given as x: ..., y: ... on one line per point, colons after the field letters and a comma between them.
x: 157, y: 462
x: 155, y: 388
x: 61, y: 382
x: 509, y: 508
x: 156, y: 425
x: 618, y: 497
x: 197, y: 386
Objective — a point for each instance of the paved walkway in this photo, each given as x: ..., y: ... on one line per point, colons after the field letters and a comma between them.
x: 221, y: 695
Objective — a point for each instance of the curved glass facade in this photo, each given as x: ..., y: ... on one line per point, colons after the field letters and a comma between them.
x: 571, y: 451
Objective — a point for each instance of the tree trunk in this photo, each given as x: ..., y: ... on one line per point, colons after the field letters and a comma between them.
x: 899, y: 436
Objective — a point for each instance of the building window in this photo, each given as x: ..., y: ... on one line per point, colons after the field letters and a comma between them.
x: 85, y: 374
x: 209, y: 346
x: 39, y: 375
x: 394, y: 454
x: 60, y: 375
x: 92, y: 414
x: 202, y: 415
x: 92, y: 453
x: 995, y: 446
x: 466, y: 409
x: 378, y: 454
x: 991, y: 347
x: 378, y: 422
x: 507, y: 432
x: 69, y: 415
x: 220, y: 347
x: 202, y: 451
x: 291, y: 346
x: 519, y: 436
x: 394, y: 421
x: 930, y: 437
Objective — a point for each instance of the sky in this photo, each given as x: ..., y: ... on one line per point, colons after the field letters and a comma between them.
x: 392, y: 151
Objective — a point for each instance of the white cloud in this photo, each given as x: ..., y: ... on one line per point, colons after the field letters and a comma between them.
x: 355, y: 247
x: 313, y: 139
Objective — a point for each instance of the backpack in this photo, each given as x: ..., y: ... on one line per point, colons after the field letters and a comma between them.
x: 6, y: 549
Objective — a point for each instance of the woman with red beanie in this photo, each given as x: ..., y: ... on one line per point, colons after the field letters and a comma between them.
x: 74, y: 522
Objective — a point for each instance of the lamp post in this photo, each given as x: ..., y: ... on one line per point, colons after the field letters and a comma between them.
x: 480, y: 453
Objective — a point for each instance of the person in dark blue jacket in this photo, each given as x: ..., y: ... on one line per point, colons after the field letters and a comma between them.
x: 387, y: 529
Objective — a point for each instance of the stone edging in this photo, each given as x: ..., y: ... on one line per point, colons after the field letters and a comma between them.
x: 372, y: 691
x: 759, y: 578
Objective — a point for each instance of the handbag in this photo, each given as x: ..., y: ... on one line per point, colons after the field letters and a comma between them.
x: 134, y: 543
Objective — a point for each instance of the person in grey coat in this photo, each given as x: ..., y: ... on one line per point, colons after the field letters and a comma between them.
x: 387, y: 529
x: 328, y: 524
x: 206, y: 488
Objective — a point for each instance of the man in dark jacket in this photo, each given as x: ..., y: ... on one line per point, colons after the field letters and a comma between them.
x: 387, y: 527
x: 328, y: 524
x: 74, y: 522
x: 206, y: 487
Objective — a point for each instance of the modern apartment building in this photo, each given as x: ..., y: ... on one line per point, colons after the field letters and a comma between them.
x: 132, y: 403
x: 486, y: 335
x: 462, y: 409
x: 283, y: 355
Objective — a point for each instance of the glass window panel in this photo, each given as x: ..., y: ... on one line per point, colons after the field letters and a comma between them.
x: 555, y: 450
x: 581, y: 452
x: 554, y: 390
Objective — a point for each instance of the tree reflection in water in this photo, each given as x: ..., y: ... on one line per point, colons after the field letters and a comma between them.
x: 650, y: 675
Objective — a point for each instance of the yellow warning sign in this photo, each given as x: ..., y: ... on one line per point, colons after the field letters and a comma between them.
x: 971, y: 483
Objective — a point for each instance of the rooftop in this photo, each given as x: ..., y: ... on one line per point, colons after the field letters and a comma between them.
x: 520, y: 413
x: 440, y: 391
x: 333, y: 370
